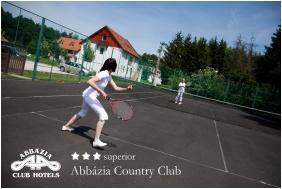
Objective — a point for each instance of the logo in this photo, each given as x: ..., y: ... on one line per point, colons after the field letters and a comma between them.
x: 35, y: 159
x: 35, y: 162
x: 114, y: 168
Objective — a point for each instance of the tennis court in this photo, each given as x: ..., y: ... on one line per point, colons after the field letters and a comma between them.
x: 196, y: 144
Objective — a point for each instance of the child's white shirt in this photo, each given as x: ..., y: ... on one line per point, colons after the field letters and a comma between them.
x: 181, y: 87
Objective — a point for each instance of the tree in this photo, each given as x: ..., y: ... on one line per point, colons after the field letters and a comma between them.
x: 55, y: 49
x: 22, y: 31
x: 173, y: 54
x: 269, y: 67
x: 89, y: 53
x: 31, y: 47
x: 27, y: 30
x: 150, y: 58
x: 222, y: 57
x: 240, y: 66
x: 44, y: 49
x: 7, y: 25
x: 188, y: 54
x: 202, y: 54
x: 64, y: 34
x: 207, y: 82
x: 50, y: 34
x: 214, y: 53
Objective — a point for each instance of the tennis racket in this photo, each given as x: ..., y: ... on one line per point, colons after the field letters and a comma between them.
x: 122, y: 109
x: 188, y: 84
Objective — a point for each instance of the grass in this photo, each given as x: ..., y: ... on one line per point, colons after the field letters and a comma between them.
x: 48, y: 62
x: 7, y: 76
x: 43, y: 60
x: 45, y: 76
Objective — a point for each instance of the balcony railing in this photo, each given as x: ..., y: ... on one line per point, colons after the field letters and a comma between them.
x: 100, y: 42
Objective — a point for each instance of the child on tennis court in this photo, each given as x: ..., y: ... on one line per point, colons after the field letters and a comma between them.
x: 96, y: 88
x: 181, y: 90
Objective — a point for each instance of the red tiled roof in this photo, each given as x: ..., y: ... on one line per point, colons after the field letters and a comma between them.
x: 69, y: 43
x: 124, y: 43
x: 120, y: 41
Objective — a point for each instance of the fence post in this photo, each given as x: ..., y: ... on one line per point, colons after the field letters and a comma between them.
x: 84, y: 52
x: 22, y: 66
x: 227, y: 88
x: 201, y: 76
x: 51, y: 67
x: 38, y: 49
x: 118, y: 65
x: 15, y: 41
x: 126, y: 69
x: 112, y: 53
x: 255, y: 98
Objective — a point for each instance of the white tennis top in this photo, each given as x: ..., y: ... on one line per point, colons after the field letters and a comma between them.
x: 104, y: 77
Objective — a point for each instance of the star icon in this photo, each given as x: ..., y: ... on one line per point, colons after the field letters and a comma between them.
x: 75, y: 156
x: 97, y: 156
x: 86, y: 156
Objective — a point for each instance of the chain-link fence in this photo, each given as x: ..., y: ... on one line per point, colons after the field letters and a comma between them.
x: 37, y: 38
x: 208, y: 84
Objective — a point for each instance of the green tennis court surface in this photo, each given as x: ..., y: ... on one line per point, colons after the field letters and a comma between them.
x: 196, y: 144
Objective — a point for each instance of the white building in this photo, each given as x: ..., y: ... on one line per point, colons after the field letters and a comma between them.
x: 106, y: 43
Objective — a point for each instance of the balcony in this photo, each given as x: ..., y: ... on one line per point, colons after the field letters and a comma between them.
x: 100, y: 42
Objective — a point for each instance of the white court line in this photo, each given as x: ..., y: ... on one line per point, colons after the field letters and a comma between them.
x: 53, y: 96
x: 139, y: 145
x: 171, y: 155
x: 190, y: 161
x: 219, y: 142
x: 134, y: 99
x: 10, y: 115
x: 221, y: 149
x: 50, y: 96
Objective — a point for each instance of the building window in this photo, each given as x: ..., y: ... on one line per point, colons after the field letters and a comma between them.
x: 101, y: 50
x: 71, y: 44
x: 130, y: 61
x: 104, y: 38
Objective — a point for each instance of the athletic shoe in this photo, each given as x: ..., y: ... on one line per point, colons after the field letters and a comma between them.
x: 64, y: 128
x: 99, y: 143
x: 180, y: 103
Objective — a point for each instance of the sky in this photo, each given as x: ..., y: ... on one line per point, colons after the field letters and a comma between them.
x: 145, y: 24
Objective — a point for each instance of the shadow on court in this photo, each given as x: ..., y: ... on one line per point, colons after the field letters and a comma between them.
x: 198, y: 144
x: 83, y: 130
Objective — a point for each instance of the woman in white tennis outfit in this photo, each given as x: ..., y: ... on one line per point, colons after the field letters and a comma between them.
x: 181, y: 90
x: 96, y: 88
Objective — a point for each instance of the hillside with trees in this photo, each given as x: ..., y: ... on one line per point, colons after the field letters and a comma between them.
x: 240, y: 63
x: 186, y: 53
